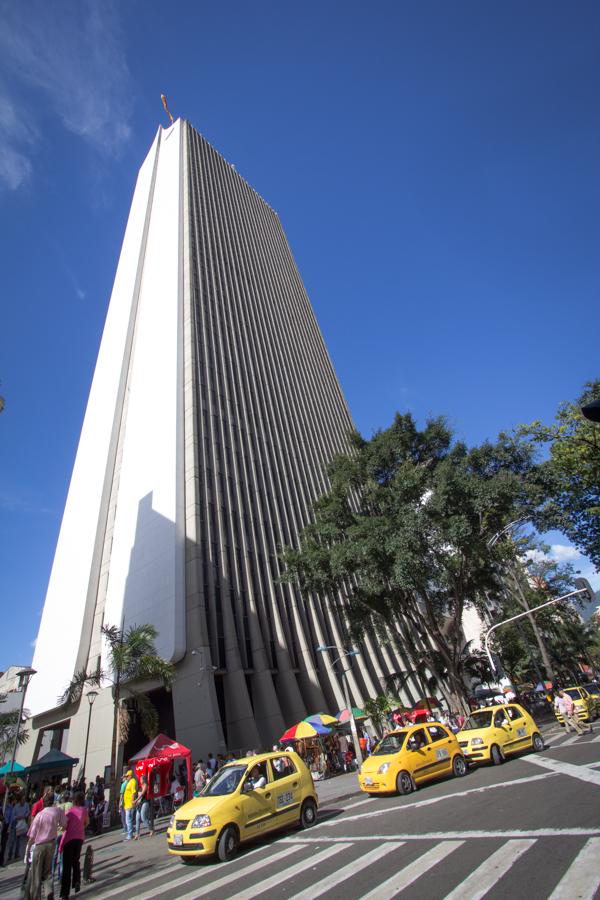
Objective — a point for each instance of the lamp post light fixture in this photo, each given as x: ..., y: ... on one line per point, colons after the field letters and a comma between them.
x: 591, y: 411
x: 24, y: 676
x: 344, y: 654
x: 91, y: 696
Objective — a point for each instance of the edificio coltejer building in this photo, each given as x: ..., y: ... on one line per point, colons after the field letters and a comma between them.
x: 213, y: 411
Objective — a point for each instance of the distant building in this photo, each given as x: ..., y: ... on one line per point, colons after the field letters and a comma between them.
x: 213, y: 412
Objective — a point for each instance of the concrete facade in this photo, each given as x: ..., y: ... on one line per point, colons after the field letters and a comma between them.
x: 213, y: 412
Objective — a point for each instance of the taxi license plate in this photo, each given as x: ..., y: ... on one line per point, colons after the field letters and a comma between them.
x: 178, y: 840
x: 368, y: 780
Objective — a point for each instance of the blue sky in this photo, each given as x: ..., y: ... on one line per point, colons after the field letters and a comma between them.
x: 435, y: 165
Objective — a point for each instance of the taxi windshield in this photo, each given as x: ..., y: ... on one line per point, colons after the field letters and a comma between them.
x: 481, y: 719
x: 574, y: 693
x: 225, y: 781
x: 392, y: 743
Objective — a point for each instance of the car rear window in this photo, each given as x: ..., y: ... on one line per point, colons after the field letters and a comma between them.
x: 574, y: 693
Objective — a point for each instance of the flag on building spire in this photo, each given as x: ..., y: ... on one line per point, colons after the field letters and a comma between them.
x: 164, y: 103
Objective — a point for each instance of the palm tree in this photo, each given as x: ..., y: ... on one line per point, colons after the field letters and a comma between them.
x: 132, y: 660
x: 8, y: 730
x: 378, y: 708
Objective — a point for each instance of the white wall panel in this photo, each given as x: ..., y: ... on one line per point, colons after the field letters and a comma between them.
x: 147, y: 557
x: 65, y: 603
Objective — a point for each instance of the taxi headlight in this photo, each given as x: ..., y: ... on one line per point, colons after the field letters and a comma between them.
x: 475, y: 742
x: 171, y: 821
x: 201, y: 822
x: 383, y: 768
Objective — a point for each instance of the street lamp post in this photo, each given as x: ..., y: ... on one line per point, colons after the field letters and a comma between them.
x: 343, y: 655
x: 91, y: 696
x: 24, y: 677
x: 520, y: 616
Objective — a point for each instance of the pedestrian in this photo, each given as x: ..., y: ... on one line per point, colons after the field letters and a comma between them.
x: 129, y: 796
x: 362, y: 743
x: 6, y: 823
x: 42, y: 836
x: 177, y: 793
x: 211, y: 765
x: 566, y: 708
x: 121, y: 807
x: 144, y: 810
x: 199, y: 778
x: 17, y: 836
x: 71, y: 844
x: 99, y: 790
x: 37, y: 806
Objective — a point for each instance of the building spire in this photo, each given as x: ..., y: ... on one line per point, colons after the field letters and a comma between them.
x: 164, y: 103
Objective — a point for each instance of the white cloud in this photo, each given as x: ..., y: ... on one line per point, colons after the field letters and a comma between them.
x: 68, y: 55
x: 564, y: 553
x: 15, y: 133
x: 535, y: 555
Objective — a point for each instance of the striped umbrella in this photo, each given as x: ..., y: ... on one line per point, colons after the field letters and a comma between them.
x: 321, y: 719
x: 304, y: 730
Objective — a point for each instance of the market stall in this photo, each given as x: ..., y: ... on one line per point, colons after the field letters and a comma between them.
x: 51, y: 768
x: 158, y: 760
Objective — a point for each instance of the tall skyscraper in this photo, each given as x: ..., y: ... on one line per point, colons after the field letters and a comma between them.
x: 213, y: 412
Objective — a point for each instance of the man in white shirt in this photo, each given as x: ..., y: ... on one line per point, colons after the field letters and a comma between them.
x: 565, y: 706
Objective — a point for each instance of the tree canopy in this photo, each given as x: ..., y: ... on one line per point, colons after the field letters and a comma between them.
x: 570, y: 478
x: 403, y: 535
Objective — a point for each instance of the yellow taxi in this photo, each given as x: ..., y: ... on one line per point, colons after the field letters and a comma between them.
x: 586, y: 704
x: 245, y: 798
x: 495, y: 732
x: 409, y: 756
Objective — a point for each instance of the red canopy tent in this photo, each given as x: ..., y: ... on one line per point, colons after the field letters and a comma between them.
x: 155, y: 761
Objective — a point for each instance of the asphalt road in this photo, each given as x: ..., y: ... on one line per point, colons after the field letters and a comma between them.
x: 527, y: 829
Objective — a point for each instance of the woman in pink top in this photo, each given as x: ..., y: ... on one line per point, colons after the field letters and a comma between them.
x: 70, y: 846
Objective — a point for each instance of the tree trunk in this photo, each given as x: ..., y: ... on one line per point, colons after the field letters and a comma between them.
x: 112, y: 797
x: 522, y: 600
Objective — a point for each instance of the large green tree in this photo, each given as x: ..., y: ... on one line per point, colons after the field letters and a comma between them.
x: 570, y: 476
x: 132, y: 662
x: 403, y: 536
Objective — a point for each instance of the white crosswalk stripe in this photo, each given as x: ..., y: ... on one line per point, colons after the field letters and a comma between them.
x: 298, y: 869
x: 126, y: 886
x: 583, y: 875
x: 489, y: 872
x: 363, y: 862
x: 239, y: 871
x: 413, y: 871
x: 302, y: 858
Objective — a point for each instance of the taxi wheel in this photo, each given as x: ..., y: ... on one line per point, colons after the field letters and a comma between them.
x: 308, y: 814
x: 228, y: 843
x: 538, y: 742
x: 459, y: 766
x: 404, y: 783
x: 496, y: 755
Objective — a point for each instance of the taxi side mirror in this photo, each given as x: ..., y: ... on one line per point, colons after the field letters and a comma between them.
x: 247, y: 787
